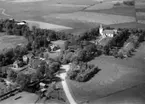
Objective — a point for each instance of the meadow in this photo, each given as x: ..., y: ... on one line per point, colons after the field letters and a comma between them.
x: 7, y: 41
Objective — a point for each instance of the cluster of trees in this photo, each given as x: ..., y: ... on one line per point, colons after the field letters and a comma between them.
x: 8, y: 56
x: 43, y: 72
x: 116, y: 42
x: 78, y: 51
x: 119, y: 41
x: 132, y: 43
x: 91, y: 34
x: 82, y: 72
x: 40, y: 37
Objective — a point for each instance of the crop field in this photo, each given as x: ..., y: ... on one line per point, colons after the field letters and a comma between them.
x: 117, y: 10
x: 11, y: 41
x: 94, y: 17
x: 115, y: 76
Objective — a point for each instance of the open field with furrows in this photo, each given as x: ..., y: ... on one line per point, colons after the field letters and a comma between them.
x: 7, y: 41
x: 94, y: 17
x: 116, y: 10
x: 115, y: 76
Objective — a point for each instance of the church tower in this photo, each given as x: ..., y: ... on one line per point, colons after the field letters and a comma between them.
x: 101, y: 30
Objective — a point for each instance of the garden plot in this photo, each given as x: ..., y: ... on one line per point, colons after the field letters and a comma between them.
x: 102, y: 18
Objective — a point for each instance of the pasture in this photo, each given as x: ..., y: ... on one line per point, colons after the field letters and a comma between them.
x: 8, y: 41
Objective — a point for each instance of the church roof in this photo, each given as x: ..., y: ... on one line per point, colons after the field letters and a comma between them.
x: 108, y: 31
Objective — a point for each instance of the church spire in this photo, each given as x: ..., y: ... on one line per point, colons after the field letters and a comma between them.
x: 101, y: 29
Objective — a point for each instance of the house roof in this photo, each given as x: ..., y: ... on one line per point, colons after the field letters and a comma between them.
x: 108, y: 31
x: 21, y: 23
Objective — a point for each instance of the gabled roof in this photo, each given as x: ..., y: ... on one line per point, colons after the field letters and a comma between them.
x: 108, y: 31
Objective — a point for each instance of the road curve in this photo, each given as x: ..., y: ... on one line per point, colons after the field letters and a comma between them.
x: 3, y: 12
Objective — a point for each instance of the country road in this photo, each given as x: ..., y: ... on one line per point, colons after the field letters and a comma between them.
x: 3, y: 12
x: 65, y: 86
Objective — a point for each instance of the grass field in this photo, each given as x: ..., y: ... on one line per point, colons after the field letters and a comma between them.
x: 7, y: 41
x: 116, y: 75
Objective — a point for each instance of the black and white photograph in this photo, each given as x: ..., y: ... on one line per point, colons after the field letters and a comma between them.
x: 72, y: 51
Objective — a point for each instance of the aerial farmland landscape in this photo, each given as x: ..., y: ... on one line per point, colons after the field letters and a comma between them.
x: 72, y: 52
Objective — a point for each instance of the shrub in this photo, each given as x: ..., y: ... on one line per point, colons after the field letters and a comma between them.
x: 84, y: 74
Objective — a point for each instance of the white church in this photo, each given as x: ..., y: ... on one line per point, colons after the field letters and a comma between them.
x: 107, y: 32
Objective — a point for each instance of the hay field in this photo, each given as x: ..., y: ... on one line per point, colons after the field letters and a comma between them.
x: 106, y: 19
x: 44, y: 25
